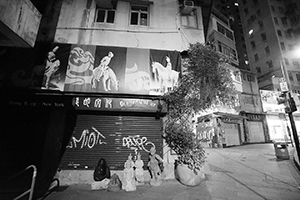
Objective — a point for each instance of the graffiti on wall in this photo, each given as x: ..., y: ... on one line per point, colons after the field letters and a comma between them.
x: 137, y: 142
x: 87, y: 139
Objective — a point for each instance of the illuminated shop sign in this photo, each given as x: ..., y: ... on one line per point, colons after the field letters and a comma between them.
x: 97, y: 103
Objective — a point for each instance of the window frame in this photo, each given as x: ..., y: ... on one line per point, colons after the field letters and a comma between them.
x: 139, y: 12
x: 106, y: 15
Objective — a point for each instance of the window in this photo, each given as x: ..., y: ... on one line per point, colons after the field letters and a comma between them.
x: 225, y: 31
x: 291, y: 76
x: 270, y: 63
x: 261, y: 24
x: 280, y: 9
x: 253, y: 44
x: 246, y: 11
x: 226, y: 50
x: 267, y: 50
x: 286, y: 61
x: 258, y: 69
x: 279, y: 33
x: 105, y: 15
x: 298, y: 77
x: 255, y: 2
x: 249, y: 21
x: 189, y: 20
x: 253, y: 18
x: 276, y: 21
x: 250, y: 78
x: 237, y: 75
x: 296, y: 63
x: 256, y: 57
x: 139, y: 15
x: 263, y: 37
x: 272, y: 8
x: 288, y: 34
x: 284, y: 21
x: 258, y: 13
x: 282, y: 46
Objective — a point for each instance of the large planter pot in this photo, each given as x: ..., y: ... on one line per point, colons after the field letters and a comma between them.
x: 188, y: 177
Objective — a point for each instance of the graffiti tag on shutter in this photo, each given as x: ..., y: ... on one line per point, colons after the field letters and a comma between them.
x: 87, y: 139
x: 137, y: 143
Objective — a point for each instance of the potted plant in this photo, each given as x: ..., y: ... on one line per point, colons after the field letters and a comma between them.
x: 206, y: 81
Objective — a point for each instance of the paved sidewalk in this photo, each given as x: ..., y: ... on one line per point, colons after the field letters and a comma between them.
x: 249, y: 172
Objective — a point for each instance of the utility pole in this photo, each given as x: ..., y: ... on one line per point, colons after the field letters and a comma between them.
x: 289, y: 102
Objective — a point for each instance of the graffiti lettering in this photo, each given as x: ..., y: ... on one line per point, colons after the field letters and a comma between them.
x: 137, y: 143
x: 87, y: 139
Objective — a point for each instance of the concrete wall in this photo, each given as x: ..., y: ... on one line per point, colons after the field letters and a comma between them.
x: 19, y: 22
x: 76, y: 25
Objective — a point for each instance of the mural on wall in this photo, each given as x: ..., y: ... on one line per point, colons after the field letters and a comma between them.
x: 26, y: 71
x: 99, y: 69
x: 165, y: 68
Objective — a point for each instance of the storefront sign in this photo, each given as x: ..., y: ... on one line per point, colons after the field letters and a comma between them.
x: 229, y: 120
x: 97, y: 103
x: 254, y: 117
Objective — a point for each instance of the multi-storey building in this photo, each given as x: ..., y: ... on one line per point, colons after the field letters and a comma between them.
x: 270, y: 43
x: 229, y: 123
x: 97, y: 79
x: 230, y: 9
x: 254, y: 123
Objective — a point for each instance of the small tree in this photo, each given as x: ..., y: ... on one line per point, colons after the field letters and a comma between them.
x: 206, y: 81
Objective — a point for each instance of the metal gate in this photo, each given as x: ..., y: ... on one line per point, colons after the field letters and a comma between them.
x: 232, y: 135
x: 256, y: 132
x: 112, y: 138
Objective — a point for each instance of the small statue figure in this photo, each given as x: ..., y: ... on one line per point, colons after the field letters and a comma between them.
x: 139, y: 171
x: 129, y: 182
x: 101, y: 175
x: 153, y: 164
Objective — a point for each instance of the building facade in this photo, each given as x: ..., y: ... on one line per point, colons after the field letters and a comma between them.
x: 100, y: 70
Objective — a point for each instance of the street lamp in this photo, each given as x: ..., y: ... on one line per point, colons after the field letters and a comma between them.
x: 290, y: 105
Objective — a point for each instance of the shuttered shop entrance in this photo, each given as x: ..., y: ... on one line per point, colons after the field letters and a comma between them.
x: 256, y: 132
x: 232, y: 136
x: 112, y: 138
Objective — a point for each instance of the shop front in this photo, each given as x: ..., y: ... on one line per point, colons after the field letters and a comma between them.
x: 255, y: 128
x: 220, y: 129
x: 110, y: 128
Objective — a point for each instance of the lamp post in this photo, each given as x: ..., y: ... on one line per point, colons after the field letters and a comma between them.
x: 291, y: 104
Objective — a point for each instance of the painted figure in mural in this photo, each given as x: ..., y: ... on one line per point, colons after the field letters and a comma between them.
x: 52, y: 65
x: 169, y: 64
x: 139, y: 171
x: 129, y: 181
x: 165, y: 76
x: 153, y: 164
x: 80, y: 64
x: 103, y: 70
x: 101, y: 175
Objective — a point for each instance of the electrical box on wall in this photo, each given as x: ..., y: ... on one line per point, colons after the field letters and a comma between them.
x: 187, y: 7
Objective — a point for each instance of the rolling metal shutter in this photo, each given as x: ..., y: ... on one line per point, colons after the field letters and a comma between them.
x: 231, y: 134
x: 113, y: 138
x: 256, y: 132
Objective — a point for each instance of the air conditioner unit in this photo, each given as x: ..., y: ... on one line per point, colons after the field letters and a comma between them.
x: 187, y: 7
